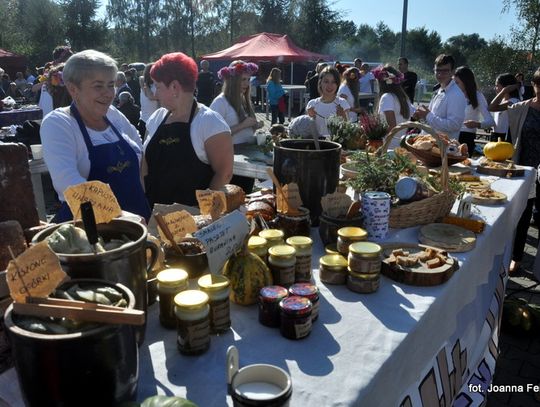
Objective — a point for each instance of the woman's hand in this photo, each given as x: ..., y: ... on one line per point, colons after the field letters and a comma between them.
x: 249, y: 122
x: 340, y: 111
x: 471, y: 124
x: 511, y: 88
x: 311, y: 112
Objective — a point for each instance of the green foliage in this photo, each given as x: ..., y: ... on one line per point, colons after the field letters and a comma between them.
x: 341, y: 131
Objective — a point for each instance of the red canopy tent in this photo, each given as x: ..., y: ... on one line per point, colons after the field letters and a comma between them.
x: 11, y: 62
x: 277, y: 48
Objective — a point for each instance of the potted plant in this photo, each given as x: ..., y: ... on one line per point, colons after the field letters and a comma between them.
x: 348, y: 134
x: 374, y: 128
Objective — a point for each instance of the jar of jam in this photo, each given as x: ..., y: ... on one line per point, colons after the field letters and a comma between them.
x: 302, y: 245
x: 365, y: 258
x: 309, y: 291
x: 363, y: 283
x: 409, y: 189
x: 273, y: 237
x: 294, y: 225
x: 269, y: 299
x: 217, y: 288
x: 282, y: 264
x: 333, y: 269
x: 169, y: 283
x: 348, y: 235
x: 259, y: 246
x: 193, y: 322
x: 295, y: 314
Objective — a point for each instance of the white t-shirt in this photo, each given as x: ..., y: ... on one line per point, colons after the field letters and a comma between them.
x: 148, y: 106
x: 365, y: 82
x: 222, y: 106
x: 64, y: 149
x: 205, y: 125
x: 501, y: 119
x: 480, y: 114
x: 345, y: 92
x: 324, y: 111
x: 45, y: 101
x: 390, y: 103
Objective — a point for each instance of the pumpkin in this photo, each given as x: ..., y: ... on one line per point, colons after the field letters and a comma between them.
x: 498, y: 150
x: 247, y: 274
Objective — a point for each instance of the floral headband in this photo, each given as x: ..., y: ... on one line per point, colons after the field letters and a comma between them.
x: 238, y: 69
x: 382, y: 74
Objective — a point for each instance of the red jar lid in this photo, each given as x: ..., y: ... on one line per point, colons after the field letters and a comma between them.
x: 304, y: 290
x: 273, y: 293
x: 295, y: 305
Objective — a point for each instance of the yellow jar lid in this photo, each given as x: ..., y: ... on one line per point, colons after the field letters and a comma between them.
x: 172, y: 276
x: 282, y: 250
x: 331, y: 249
x: 368, y: 249
x: 256, y: 242
x: 191, y: 299
x: 213, y: 282
x: 333, y: 260
x: 352, y: 232
x: 271, y: 234
x: 300, y: 242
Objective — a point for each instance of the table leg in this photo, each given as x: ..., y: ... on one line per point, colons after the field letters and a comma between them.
x: 37, y: 186
x: 291, y: 101
x: 265, y: 101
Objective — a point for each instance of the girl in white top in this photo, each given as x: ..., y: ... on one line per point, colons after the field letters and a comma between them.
x: 349, y: 90
x: 394, y: 105
x: 477, y: 115
x: 328, y: 104
x: 501, y: 117
x: 149, y: 102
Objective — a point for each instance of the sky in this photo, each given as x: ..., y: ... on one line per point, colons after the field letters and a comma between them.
x: 448, y: 18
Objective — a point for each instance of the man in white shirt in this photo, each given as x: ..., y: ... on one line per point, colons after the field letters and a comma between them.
x: 446, y: 110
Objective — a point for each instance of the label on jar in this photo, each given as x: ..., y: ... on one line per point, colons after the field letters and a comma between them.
x: 365, y: 266
x: 193, y: 335
x: 283, y: 275
x: 303, y: 268
x: 220, y: 318
x: 302, y: 330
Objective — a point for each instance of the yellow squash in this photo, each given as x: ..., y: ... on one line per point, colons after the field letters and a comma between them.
x: 498, y: 150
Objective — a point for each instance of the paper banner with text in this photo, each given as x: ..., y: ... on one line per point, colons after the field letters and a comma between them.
x: 180, y: 223
x: 336, y: 205
x: 223, y: 238
x: 291, y: 200
x: 104, y: 202
x: 165, y: 209
x: 211, y: 202
x: 35, y: 273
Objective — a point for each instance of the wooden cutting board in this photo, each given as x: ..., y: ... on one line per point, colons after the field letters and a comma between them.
x: 518, y: 171
x: 447, y: 237
x: 494, y: 197
x: 419, y: 274
x: 453, y: 170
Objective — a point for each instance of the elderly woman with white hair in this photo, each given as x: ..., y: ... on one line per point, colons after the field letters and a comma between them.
x: 91, y: 140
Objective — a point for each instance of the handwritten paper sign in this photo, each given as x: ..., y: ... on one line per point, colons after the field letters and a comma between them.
x: 104, y: 202
x: 207, y: 203
x: 218, y: 205
x: 165, y: 209
x: 36, y: 273
x: 223, y: 238
x: 180, y: 223
x: 336, y: 204
x: 291, y: 200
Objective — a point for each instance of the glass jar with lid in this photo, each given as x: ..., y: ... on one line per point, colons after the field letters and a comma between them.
x: 348, y: 235
x: 295, y: 315
x: 169, y: 283
x: 282, y: 264
x: 193, y: 322
x: 268, y: 301
x: 273, y: 237
x: 259, y: 246
x: 309, y: 291
x: 217, y: 288
x: 333, y: 269
x: 365, y: 258
x: 303, y: 246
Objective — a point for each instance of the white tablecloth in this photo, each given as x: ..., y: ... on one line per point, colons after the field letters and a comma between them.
x: 402, y: 345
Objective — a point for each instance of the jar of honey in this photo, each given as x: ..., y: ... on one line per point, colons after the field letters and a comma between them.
x: 169, y: 283
x: 333, y: 269
x: 302, y: 245
x: 273, y: 237
x: 259, y: 246
x: 193, y: 322
x: 295, y: 314
x: 365, y: 258
x: 282, y: 264
x: 348, y: 235
x: 217, y: 288
x: 268, y: 301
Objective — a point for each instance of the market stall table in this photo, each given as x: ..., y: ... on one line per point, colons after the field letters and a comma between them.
x: 19, y: 116
x: 403, y: 345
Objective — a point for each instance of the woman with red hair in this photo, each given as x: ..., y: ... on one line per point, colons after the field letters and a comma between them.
x: 188, y: 146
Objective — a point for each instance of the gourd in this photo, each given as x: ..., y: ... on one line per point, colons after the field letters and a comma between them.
x: 498, y: 150
x: 247, y: 274
x: 166, y: 401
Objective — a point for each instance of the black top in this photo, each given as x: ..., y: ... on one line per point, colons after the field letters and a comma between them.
x: 313, y: 87
x: 530, y: 139
x: 132, y: 112
x: 205, y: 87
x: 409, y: 84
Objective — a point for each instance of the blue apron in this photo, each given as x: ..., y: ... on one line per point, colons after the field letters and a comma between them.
x: 115, y: 164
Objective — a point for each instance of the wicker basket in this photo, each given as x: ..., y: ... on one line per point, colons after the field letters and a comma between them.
x: 430, y: 209
x: 429, y: 158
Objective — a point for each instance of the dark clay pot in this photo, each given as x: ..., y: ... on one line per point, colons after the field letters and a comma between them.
x: 98, y: 367
x: 315, y: 171
x: 329, y: 226
x: 194, y: 264
x: 126, y: 265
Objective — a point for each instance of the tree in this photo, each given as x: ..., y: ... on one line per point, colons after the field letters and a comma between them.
x: 463, y: 47
x: 274, y: 15
x: 424, y: 47
x: 315, y: 24
x: 83, y: 30
x: 526, y: 36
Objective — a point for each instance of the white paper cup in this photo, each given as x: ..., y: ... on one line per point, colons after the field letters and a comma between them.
x: 261, y: 137
x: 37, y: 151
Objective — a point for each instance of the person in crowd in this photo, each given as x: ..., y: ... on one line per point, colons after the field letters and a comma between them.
x: 188, y: 146
x: 128, y: 107
x: 206, y: 84
x: 20, y: 82
x: 349, y: 90
x: 234, y: 105
x: 255, y: 90
x: 358, y: 63
x: 91, y: 140
x: 149, y: 101
x: 500, y: 115
x: 6, y: 81
x: 329, y: 103
x: 14, y: 91
x: 367, y: 85
x: 275, y: 92
x: 477, y: 115
x: 132, y: 78
x: 30, y: 77
x: 446, y: 111
x: 312, y: 83
x: 520, y: 78
x: 394, y: 105
x: 56, y: 87
x: 524, y: 126
x: 410, y: 78
x: 121, y: 86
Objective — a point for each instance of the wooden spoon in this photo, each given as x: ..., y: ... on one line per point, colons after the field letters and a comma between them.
x: 272, y: 176
x: 353, y: 210
x: 166, y: 231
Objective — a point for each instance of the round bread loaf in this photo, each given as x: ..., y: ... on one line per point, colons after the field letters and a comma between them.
x: 234, y: 196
